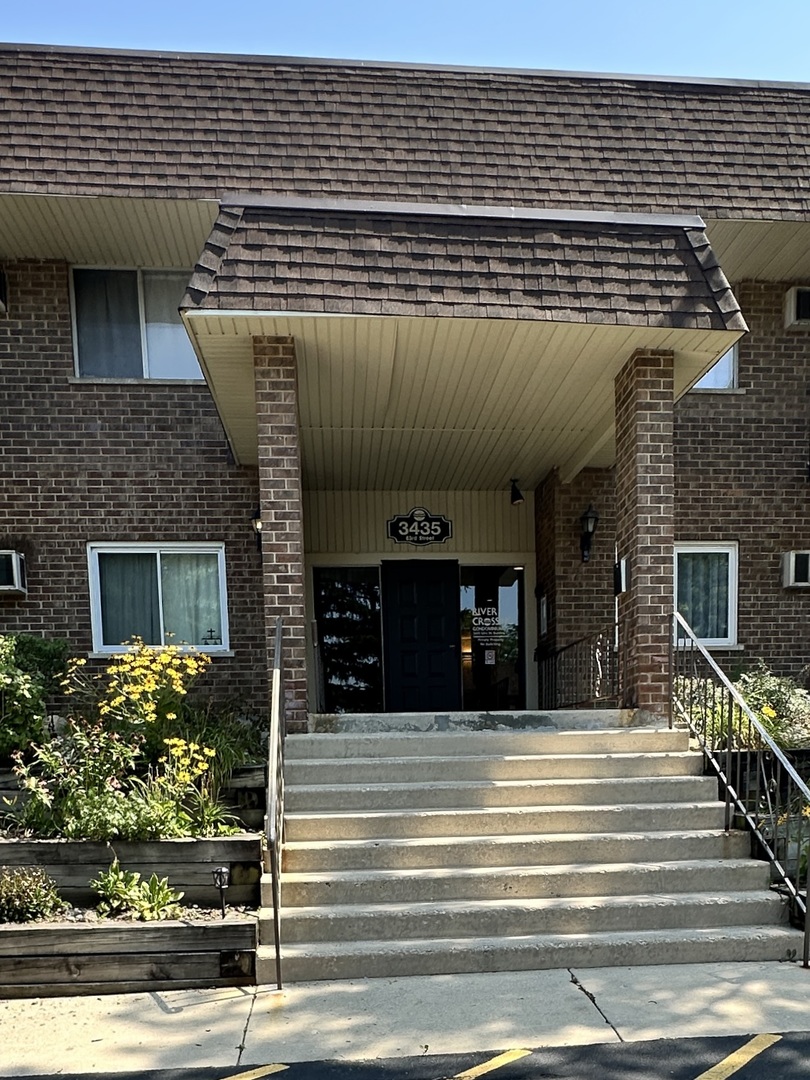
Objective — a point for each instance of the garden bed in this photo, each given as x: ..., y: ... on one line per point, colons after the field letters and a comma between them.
x: 187, y: 863
x: 59, y: 958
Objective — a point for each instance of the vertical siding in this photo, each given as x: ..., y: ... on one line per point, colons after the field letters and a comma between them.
x: 354, y: 522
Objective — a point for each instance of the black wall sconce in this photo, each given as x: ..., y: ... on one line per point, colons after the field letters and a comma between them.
x: 256, y: 522
x: 588, y: 523
x: 516, y: 495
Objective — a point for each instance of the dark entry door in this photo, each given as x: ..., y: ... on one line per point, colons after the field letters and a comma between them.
x: 421, y: 636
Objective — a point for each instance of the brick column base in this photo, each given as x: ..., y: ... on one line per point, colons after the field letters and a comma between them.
x: 282, y: 520
x: 645, y: 487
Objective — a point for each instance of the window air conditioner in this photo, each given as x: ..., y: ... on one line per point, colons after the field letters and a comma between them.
x: 797, y: 306
x: 12, y: 573
x: 796, y: 569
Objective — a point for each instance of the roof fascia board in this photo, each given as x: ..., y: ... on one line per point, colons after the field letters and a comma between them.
x: 399, y: 65
x: 459, y: 210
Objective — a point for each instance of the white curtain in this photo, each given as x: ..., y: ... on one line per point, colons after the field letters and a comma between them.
x: 192, y: 613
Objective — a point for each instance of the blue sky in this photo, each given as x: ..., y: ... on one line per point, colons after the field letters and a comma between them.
x: 749, y: 39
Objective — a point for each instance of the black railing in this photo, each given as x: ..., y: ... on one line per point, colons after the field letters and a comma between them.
x: 274, y: 822
x: 762, y: 789
x: 586, y: 672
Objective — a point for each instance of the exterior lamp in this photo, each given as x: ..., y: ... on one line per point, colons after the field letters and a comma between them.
x: 222, y: 879
x: 516, y: 495
x: 256, y: 522
x: 588, y: 523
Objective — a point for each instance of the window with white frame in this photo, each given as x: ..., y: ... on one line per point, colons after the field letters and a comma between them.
x: 168, y: 594
x: 706, y: 591
x: 127, y: 325
x: 722, y: 375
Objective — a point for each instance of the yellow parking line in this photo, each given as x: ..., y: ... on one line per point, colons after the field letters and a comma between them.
x: 256, y: 1074
x: 491, y: 1065
x: 734, y: 1062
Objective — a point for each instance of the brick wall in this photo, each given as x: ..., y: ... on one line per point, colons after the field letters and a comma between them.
x: 90, y: 461
x: 741, y: 475
x: 580, y: 595
x: 645, y: 524
x: 282, y: 516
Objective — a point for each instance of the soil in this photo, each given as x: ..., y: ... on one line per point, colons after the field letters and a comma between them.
x: 187, y: 913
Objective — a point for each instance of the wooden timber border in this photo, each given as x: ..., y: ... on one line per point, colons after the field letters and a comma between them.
x: 38, y: 959
x: 55, y: 959
x: 187, y: 863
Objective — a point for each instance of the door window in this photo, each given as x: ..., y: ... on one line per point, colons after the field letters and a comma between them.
x: 492, y: 637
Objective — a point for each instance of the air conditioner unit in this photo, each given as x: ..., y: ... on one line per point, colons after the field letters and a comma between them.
x: 12, y: 573
x: 797, y: 306
x: 796, y: 569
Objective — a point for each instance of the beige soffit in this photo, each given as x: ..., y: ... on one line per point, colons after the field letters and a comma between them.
x: 104, y: 231
x: 396, y: 402
x: 762, y: 250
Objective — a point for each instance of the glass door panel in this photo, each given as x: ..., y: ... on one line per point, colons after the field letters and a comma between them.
x: 492, y: 630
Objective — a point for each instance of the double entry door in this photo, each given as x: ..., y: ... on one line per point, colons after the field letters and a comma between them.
x: 421, y: 635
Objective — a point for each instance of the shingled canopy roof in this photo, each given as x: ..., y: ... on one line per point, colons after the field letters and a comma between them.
x: 416, y: 301
x: 302, y: 255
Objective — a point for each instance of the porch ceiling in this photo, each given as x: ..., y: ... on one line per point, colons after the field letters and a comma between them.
x: 396, y: 402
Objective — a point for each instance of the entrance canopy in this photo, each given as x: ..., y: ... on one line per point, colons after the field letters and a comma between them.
x: 450, y: 347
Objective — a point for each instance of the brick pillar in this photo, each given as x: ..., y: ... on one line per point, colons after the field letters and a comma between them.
x: 645, y: 486
x: 281, y: 507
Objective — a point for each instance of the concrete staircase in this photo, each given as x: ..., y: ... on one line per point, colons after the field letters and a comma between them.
x: 453, y: 851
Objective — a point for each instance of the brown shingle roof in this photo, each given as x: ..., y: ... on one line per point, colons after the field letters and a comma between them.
x: 367, y: 262
x: 74, y: 122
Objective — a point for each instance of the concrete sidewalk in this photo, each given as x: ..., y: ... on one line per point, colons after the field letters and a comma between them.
x: 363, y: 1019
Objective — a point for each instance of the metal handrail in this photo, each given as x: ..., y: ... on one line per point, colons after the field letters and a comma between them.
x: 759, y: 782
x: 584, y: 671
x: 274, y: 821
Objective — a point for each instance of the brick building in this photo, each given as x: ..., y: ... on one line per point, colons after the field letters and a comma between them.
x: 428, y: 317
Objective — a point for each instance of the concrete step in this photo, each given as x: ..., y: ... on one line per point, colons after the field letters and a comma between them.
x: 460, y: 794
x: 526, y: 720
x: 507, y: 917
x: 403, y: 770
x: 505, y: 821
x: 477, y: 743
x: 383, y: 959
x: 518, y: 882
x: 548, y: 849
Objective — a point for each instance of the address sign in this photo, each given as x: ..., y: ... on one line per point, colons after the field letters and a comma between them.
x: 419, y: 527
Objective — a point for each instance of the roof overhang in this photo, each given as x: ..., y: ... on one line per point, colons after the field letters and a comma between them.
x: 104, y: 230
x: 450, y: 347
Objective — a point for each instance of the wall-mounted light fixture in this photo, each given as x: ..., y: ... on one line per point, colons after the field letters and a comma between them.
x: 516, y: 495
x: 588, y: 523
x: 256, y: 522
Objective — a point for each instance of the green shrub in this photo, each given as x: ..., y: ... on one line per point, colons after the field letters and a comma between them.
x: 237, y: 739
x: 81, y: 785
x: 22, y: 705
x: 780, y: 705
x: 27, y: 893
x: 31, y: 669
x: 122, y: 893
